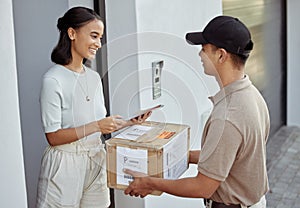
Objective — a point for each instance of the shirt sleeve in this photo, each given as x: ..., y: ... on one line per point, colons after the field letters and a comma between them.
x: 220, y: 150
x: 50, y: 101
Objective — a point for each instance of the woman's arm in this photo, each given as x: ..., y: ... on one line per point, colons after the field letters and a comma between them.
x: 105, y: 126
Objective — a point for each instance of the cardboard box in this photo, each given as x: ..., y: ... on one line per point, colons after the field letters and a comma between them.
x: 157, y: 149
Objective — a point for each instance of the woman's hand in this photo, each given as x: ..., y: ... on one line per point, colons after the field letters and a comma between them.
x: 114, y: 123
x: 141, y: 119
x: 111, y: 124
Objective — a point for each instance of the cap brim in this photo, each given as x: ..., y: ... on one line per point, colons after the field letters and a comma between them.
x: 195, y: 38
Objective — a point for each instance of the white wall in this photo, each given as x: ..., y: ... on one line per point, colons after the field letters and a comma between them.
x: 140, y: 32
x: 12, y: 175
x: 185, y: 88
x: 293, y: 72
x: 122, y: 60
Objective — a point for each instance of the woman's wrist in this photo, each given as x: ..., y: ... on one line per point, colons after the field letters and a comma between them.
x: 96, y: 126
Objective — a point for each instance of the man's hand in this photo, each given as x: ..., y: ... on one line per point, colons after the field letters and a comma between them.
x: 140, y: 186
x: 200, y: 186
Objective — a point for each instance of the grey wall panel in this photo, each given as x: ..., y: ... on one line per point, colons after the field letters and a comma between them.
x: 36, y: 35
x: 267, y: 63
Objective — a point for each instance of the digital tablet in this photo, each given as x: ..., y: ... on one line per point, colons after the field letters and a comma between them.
x: 141, y: 112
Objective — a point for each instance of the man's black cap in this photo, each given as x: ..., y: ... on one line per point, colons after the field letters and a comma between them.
x: 224, y: 32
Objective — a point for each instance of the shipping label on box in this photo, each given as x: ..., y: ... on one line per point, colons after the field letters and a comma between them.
x: 133, y: 159
x: 156, y: 149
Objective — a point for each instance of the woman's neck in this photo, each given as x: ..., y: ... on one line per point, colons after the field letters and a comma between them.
x: 76, y: 67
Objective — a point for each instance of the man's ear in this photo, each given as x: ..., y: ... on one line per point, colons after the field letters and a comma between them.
x: 223, y: 55
x: 71, y: 33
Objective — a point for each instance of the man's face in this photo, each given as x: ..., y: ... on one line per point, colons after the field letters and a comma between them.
x: 209, y: 59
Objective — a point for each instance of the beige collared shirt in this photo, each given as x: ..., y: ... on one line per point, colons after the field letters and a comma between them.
x: 233, y: 148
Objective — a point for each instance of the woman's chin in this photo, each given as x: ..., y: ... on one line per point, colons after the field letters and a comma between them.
x: 90, y: 57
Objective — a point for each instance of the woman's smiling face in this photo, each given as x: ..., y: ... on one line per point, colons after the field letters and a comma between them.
x: 86, y: 40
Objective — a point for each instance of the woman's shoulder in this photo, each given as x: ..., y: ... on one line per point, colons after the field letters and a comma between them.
x: 54, y: 70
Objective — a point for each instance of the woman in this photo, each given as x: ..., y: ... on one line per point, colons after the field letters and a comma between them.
x: 73, y: 170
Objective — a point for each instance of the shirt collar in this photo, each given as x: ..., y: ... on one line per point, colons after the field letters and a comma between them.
x: 229, y: 89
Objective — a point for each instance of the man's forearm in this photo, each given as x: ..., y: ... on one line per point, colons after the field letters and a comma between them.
x: 193, y: 187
